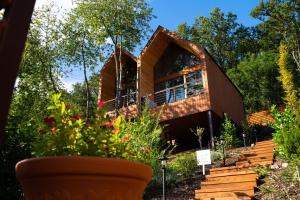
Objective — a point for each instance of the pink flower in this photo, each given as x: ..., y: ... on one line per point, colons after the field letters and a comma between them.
x: 53, y: 130
x: 116, y: 130
x: 100, y: 104
x: 49, y: 120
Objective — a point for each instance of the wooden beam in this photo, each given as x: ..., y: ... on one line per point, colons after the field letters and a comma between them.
x: 181, y: 73
x: 12, y: 42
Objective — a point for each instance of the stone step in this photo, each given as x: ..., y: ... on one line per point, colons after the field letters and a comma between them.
x: 225, y: 183
x: 213, y: 193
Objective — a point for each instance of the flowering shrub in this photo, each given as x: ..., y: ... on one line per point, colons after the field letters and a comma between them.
x: 65, y: 132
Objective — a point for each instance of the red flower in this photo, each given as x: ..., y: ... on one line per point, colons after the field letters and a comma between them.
x: 108, y: 124
x: 116, y: 130
x: 126, y: 138
x: 49, y: 120
x: 76, y: 117
x: 100, y: 104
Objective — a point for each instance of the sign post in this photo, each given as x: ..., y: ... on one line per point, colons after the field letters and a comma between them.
x: 203, y: 158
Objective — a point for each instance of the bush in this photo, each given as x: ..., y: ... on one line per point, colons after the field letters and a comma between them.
x: 287, y: 131
x: 184, y: 165
x: 228, y: 133
x: 216, y: 155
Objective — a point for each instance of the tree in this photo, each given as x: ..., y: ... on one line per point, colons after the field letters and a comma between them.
x: 80, y: 49
x: 257, y: 78
x: 224, y: 38
x: 286, y: 77
x: 123, y: 22
x: 79, y: 91
x: 43, y: 44
x: 282, y: 16
x: 184, y: 30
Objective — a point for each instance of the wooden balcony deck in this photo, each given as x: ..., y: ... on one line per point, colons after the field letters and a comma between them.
x: 184, y: 107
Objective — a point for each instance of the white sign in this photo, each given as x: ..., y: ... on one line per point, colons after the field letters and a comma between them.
x: 203, y: 157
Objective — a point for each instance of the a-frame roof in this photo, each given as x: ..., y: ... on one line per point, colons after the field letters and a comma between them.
x: 160, y: 40
x: 111, y: 61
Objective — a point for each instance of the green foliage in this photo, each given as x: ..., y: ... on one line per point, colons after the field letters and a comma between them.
x: 286, y: 77
x: 224, y: 38
x: 281, y: 19
x: 183, y: 165
x: 287, y: 131
x: 66, y: 133
x: 16, y: 147
x: 78, y: 94
x: 145, y: 136
x: 199, y: 133
x: 261, y: 171
x: 216, y: 155
x: 228, y: 133
x: 257, y: 78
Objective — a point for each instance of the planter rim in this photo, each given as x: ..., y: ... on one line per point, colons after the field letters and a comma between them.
x: 82, y: 165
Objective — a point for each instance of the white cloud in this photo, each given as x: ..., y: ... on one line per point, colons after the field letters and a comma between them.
x: 68, y: 83
x: 66, y: 4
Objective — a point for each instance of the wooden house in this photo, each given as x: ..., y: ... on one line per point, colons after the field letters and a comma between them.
x: 180, y: 79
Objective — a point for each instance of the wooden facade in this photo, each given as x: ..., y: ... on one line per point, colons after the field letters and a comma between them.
x: 198, y: 93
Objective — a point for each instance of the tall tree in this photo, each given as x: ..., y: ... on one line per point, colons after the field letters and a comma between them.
x: 283, y: 17
x: 257, y: 78
x: 123, y: 22
x: 224, y: 38
x: 80, y: 49
x: 286, y: 77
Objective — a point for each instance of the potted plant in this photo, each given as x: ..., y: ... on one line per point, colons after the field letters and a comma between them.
x: 83, y: 159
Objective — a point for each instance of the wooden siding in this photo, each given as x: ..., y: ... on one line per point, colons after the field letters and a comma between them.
x: 224, y: 96
x: 107, y: 89
x: 191, y: 105
x: 128, y: 112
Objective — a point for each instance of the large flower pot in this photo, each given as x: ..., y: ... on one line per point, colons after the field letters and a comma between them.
x: 78, y: 178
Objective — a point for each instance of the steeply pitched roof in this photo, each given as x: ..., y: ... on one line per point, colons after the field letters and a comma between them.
x: 110, y: 61
x: 186, y: 44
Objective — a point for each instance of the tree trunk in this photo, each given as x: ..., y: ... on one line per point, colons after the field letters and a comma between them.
x: 117, y: 99
x: 86, y: 81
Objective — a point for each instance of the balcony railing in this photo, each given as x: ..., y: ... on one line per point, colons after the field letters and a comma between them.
x: 126, y: 100
x: 173, y: 94
x: 168, y: 95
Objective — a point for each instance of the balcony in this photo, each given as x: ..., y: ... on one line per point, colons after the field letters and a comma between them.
x: 179, y: 100
x: 127, y: 105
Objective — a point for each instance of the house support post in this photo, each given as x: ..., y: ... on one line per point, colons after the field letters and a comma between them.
x: 211, y: 129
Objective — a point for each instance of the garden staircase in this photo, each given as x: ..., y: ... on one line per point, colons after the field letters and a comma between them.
x: 239, y: 181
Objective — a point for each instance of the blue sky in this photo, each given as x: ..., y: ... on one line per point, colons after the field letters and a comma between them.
x: 171, y: 13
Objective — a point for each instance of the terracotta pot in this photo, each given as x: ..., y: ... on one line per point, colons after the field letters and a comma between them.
x: 78, y: 178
